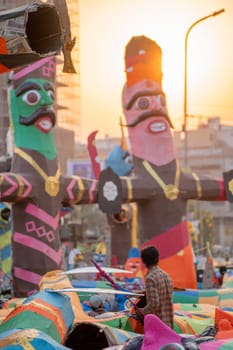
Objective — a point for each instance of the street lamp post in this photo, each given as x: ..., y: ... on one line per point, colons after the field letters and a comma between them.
x: 185, y: 81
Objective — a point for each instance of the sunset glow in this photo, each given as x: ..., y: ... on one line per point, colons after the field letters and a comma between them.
x: 106, y: 26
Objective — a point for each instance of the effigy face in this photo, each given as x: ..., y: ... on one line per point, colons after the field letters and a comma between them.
x: 142, y: 101
x: 134, y: 265
x: 32, y: 105
x: 146, y: 115
x: 31, y: 101
x: 120, y: 161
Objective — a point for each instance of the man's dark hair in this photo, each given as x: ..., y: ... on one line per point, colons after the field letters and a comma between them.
x: 150, y: 256
x: 222, y: 269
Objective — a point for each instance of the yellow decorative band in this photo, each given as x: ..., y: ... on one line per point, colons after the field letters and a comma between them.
x: 171, y: 191
x: 198, y: 184
x: 230, y: 186
x: 20, y: 187
x: 52, y: 184
x: 129, y: 187
x: 134, y: 242
x: 80, y: 189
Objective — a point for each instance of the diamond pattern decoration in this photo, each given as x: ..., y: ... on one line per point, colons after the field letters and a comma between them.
x: 40, y: 231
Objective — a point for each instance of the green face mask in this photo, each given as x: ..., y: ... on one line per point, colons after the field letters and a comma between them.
x: 33, y: 118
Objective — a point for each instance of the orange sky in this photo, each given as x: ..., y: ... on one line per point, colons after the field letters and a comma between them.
x: 106, y: 26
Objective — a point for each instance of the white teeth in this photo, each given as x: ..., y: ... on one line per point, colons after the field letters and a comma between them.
x: 45, y: 124
x: 157, y: 127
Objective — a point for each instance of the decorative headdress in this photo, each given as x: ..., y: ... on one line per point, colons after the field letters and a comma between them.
x: 44, y: 68
x: 143, y: 60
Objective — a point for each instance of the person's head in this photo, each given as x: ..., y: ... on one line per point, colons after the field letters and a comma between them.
x: 150, y: 256
x: 78, y: 256
x: 222, y: 270
x: 5, y: 213
x: 96, y: 301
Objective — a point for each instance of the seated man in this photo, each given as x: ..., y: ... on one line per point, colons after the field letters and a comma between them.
x: 97, y: 306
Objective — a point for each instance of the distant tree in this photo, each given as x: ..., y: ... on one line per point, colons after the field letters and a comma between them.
x: 206, y: 227
x: 205, y: 219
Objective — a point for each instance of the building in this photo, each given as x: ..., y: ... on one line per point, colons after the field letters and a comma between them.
x: 210, y: 150
x: 68, y: 84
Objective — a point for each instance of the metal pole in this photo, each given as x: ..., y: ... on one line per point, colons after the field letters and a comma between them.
x: 185, y: 81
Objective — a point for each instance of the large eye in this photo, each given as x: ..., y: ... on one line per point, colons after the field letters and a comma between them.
x: 162, y: 100
x: 31, y: 97
x: 143, y: 102
x: 128, y: 159
x: 51, y: 94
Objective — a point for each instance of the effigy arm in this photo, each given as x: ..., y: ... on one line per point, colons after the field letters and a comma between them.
x: 114, y: 190
x: 79, y: 190
x: 202, y: 187
x: 14, y: 187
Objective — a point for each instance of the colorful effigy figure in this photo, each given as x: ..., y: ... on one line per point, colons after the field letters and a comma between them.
x: 100, y: 254
x: 5, y: 247
x: 35, y: 184
x: 123, y: 225
x: 135, y: 279
x: 160, y: 187
x: 134, y: 263
x: 119, y: 159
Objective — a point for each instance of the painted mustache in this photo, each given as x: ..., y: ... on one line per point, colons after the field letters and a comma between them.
x: 147, y: 115
x: 36, y: 115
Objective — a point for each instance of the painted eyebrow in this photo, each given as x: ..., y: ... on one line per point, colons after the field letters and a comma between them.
x: 142, y: 93
x: 26, y: 87
x: 48, y: 86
